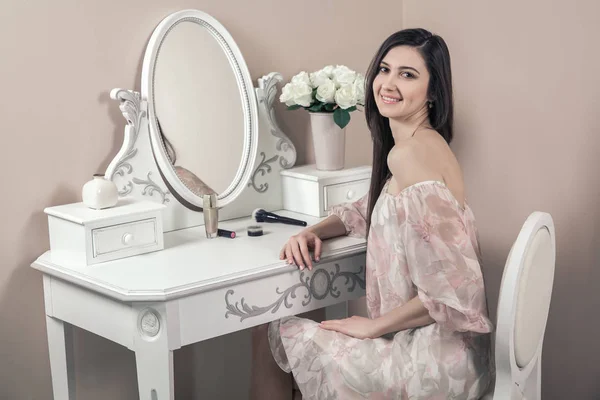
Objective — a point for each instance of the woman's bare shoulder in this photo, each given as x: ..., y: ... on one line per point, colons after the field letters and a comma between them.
x: 425, y: 157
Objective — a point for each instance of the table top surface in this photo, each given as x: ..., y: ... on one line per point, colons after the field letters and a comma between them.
x: 191, y: 263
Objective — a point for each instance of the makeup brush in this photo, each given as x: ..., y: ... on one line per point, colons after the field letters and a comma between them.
x: 261, y: 215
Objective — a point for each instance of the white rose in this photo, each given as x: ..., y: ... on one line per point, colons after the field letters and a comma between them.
x: 345, y: 97
x: 296, y: 93
x: 302, y: 77
x: 359, y: 87
x: 343, y: 75
x: 341, y: 68
x: 329, y: 71
x: 326, y: 91
x: 318, y: 78
x: 286, y: 95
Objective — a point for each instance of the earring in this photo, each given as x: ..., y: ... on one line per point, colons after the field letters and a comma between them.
x: 431, y: 104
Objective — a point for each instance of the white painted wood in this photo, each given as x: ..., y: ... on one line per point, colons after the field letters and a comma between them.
x: 119, y: 237
x: 60, y: 347
x: 154, y: 365
x: 310, y: 191
x: 84, y: 236
x: 153, y: 356
x: 302, y: 196
x: 311, y: 173
x: 109, y: 318
x: 191, y: 263
x: 127, y: 208
x: 69, y: 242
x: 233, y: 284
x: 136, y: 174
x: 259, y: 301
x: 344, y: 192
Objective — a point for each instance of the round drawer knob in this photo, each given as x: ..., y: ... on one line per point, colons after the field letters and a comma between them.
x: 127, y: 239
x: 350, y: 194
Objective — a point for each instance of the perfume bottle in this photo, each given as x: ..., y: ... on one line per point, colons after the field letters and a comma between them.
x: 211, y: 215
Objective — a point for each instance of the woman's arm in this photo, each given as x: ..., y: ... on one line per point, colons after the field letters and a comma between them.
x: 297, y: 249
x: 330, y: 227
x: 412, y: 314
x: 344, y: 219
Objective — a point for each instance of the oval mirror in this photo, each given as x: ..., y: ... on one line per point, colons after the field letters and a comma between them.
x: 202, y: 110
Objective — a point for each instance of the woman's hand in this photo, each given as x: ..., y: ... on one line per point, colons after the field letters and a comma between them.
x: 358, y: 327
x: 296, y: 250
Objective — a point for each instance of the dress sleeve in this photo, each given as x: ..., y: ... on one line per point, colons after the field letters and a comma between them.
x: 443, y: 263
x: 353, y: 215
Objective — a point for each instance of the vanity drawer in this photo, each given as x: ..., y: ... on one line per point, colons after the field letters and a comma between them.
x: 81, y: 236
x: 344, y: 192
x: 124, y: 236
x: 308, y: 190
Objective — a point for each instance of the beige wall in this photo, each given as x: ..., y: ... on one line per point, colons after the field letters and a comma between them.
x: 59, y: 60
x: 527, y: 83
x: 527, y: 99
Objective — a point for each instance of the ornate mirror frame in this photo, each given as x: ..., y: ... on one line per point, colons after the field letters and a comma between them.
x: 136, y: 173
x: 249, y: 106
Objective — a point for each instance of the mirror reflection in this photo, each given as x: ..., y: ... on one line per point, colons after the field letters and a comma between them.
x: 198, y: 108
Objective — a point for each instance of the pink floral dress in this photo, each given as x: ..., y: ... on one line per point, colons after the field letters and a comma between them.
x: 421, y: 243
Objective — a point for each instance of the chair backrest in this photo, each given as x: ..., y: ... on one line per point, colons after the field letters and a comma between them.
x: 523, y: 307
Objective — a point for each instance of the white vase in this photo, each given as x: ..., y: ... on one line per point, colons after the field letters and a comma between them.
x: 329, y: 142
x: 100, y: 193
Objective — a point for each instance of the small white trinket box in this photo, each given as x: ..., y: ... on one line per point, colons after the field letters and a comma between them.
x: 310, y: 191
x: 83, y: 236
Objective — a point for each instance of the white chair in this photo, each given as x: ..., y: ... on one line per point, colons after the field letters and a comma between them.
x: 523, y: 306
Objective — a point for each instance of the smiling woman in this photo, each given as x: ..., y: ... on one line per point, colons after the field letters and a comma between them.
x: 401, y: 85
x: 426, y: 336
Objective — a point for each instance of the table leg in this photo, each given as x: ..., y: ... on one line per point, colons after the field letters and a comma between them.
x: 60, y: 347
x: 155, y: 371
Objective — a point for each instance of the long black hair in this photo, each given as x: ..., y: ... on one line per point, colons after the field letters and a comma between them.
x: 434, y: 51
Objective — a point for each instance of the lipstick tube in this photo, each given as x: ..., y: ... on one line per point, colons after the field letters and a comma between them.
x: 226, y: 233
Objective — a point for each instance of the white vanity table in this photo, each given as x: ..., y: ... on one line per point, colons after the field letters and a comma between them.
x: 193, y: 290
x: 189, y: 288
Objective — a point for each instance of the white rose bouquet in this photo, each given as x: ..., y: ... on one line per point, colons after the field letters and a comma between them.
x: 338, y: 90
